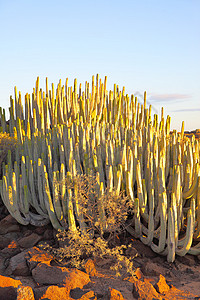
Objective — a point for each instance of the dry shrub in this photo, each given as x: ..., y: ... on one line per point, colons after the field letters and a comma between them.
x: 104, y: 212
x: 78, y: 247
x: 96, y: 241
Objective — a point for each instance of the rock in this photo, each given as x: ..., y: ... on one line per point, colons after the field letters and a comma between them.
x: 162, y: 287
x: 8, y: 224
x: 25, y: 293
x: 18, y: 265
x: 8, y: 293
x: 82, y: 294
x: 90, y: 268
x: 48, y: 234
x: 114, y: 294
x: 71, y: 278
x: 2, y: 265
x: 35, y: 256
x: 54, y: 292
x: 152, y: 269
x: 11, y: 250
x: 12, y: 289
x: 8, y: 288
x: 8, y: 238
x: 138, y: 273
x: 57, y: 293
x: 75, y: 278
x: 29, y: 241
x: 7, y: 281
x: 144, y: 290
x: 27, y: 281
x: 39, y: 291
x: 4, y: 242
x: 89, y: 296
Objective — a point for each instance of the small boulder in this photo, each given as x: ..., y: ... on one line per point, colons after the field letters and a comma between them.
x: 71, y: 278
x: 7, y: 281
x: 115, y: 295
x: 152, y: 269
x: 29, y: 241
x: 138, y: 273
x: 54, y: 292
x: 82, y: 294
x: 2, y: 265
x: 8, y: 224
x: 161, y: 286
x: 4, y: 242
x: 8, y: 288
x: 11, y: 250
x: 144, y: 290
x: 8, y: 293
x: 18, y: 265
x: 35, y: 256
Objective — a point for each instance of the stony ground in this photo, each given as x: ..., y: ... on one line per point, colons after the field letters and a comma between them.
x: 27, y: 272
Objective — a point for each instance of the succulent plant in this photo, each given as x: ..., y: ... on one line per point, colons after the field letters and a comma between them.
x: 114, y: 138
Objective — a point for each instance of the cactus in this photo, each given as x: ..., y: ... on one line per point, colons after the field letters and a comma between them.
x: 112, y: 137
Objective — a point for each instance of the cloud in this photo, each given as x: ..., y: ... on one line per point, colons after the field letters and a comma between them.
x: 186, y: 109
x: 168, y: 97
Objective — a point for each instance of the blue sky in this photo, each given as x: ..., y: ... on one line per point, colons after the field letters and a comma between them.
x: 151, y: 45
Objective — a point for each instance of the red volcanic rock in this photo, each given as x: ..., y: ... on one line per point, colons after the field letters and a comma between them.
x: 162, y: 287
x: 138, y: 273
x: 115, y: 295
x: 8, y: 224
x: 29, y: 241
x: 89, y: 296
x: 12, y: 249
x: 57, y: 293
x: 8, y: 288
x: 90, y: 268
x: 4, y: 241
x: 51, y: 275
x: 145, y: 290
x: 18, y: 265
x: 7, y: 281
x: 2, y: 265
x: 36, y: 255
x: 8, y: 293
x: 152, y: 269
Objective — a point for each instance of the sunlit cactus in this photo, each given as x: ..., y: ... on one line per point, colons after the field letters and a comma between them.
x: 108, y: 135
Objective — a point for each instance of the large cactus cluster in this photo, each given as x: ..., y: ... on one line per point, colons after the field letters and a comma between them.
x: 112, y: 136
